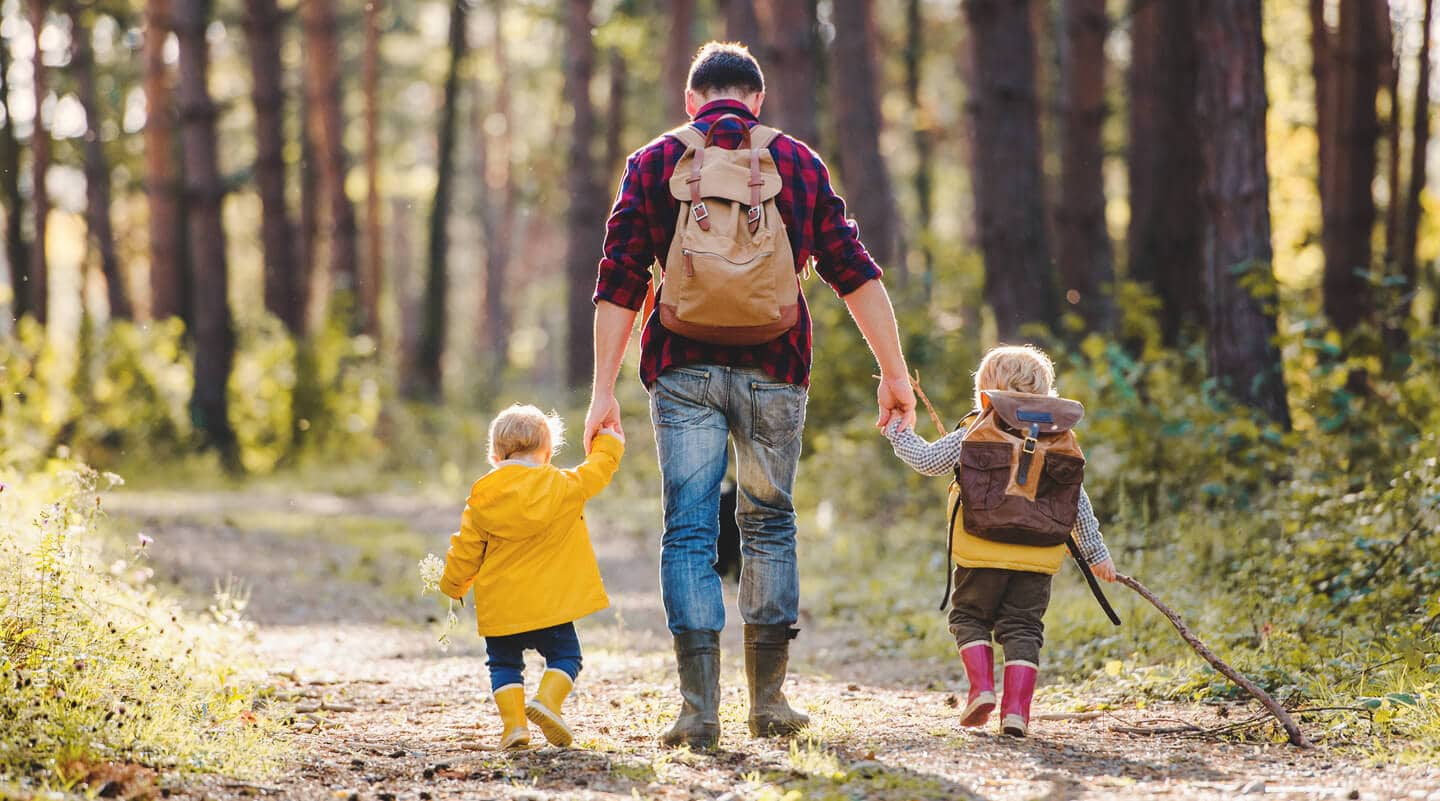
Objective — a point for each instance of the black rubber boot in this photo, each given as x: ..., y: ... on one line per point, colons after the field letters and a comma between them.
x: 697, y: 661
x: 767, y: 655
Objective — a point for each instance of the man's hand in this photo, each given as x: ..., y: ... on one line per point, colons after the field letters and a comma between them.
x: 1105, y: 571
x: 897, y: 403
x: 604, y: 413
x: 614, y: 432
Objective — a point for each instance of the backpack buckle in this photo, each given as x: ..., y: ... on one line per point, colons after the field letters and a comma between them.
x: 753, y: 216
x: 1029, y: 446
x: 700, y: 211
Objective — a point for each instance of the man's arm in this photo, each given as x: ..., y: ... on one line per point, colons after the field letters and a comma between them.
x: 612, y: 335
x: 870, y: 306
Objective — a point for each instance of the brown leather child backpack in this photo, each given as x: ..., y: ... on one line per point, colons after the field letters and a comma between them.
x: 730, y: 274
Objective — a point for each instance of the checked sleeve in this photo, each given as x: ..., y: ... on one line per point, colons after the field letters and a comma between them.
x: 624, y: 272
x: 927, y: 458
x: 1087, y: 532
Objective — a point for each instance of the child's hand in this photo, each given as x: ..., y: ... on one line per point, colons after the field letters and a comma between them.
x: 1104, y: 571
x: 616, y: 433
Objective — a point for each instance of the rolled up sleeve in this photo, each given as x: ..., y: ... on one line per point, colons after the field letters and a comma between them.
x: 624, y: 271
x: 840, y: 257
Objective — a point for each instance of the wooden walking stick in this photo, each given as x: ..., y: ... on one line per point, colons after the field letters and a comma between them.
x: 1297, y: 737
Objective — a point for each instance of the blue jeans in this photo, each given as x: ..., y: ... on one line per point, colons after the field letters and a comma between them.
x: 558, y: 644
x: 697, y: 410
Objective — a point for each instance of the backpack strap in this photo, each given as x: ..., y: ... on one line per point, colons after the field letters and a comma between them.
x: 1090, y: 579
x: 695, y: 142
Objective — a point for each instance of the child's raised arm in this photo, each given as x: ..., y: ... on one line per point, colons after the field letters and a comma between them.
x: 1092, y: 544
x: 926, y: 458
x: 466, y: 554
x: 600, y: 466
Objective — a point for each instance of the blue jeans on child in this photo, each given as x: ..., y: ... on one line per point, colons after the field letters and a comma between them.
x: 697, y: 410
x: 558, y: 644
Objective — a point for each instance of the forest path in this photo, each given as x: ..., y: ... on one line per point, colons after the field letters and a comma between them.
x: 333, y: 589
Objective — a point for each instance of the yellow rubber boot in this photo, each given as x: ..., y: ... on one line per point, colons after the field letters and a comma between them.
x: 510, y: 700
x: 544, y: 708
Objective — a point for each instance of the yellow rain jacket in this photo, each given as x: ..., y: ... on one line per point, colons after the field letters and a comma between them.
x: 524, y: 546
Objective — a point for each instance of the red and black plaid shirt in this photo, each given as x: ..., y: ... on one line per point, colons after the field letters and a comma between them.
x: 642, y: 224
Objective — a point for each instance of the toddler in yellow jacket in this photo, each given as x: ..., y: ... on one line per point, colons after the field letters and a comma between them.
x: 524, y: 547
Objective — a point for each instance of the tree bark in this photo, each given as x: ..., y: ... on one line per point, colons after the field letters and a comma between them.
x: 168, y: 291
x: 679, y: 51
x: 922, y: 136
x: 789, y: 30
x: 284, y: 296
x: 741, y: 24
x: 1009, y: 187
x: 100, y: 230
x: 855, y: 99
x: 1085, y: 257
x: 435, y: 320
x: 326, y: 121
x: 497, y: 212
x: 17, y: 253
x: 1164, y: 237
x: 615, y: 112
x: 309, y: 220
x: 1419, y: 159
x: 373, y: 276
x: 586, y: 214
x: 214, y: 337
x: 39, y: 301
x: 1347, y: 81
x: 1238, y: 279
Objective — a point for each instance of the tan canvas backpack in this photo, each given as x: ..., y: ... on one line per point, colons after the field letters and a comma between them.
x: 730, y: 274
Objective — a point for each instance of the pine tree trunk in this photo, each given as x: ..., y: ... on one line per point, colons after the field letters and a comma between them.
x: 921, y: 122
x: 1351, y: 79
x: 1164, y: 237
x: 327, y: 127
x: 585, y: 218
x: 168, y: 292
x: 741, y: 24
x: 615, y: 112
x: 283, y: 295
x: 39, y: 300
x: 435, y: 320
x: 1009, y: 188
x: 789, y: 30
x: 101, y: 232
x: 679, y: 50
x: 855, y: 99
x: 373, y: 276
x: 309, y: 222
x: 17, y: 254
x: 497, y: 213
x: 1238, y: 279
x: 1085, y: 257
x: 1419, y: 160
x: 214, y: 337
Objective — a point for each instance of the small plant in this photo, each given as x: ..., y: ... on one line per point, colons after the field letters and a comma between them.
x: 432, y: 569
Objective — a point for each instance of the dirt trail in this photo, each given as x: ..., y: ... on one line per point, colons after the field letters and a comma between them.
x: 338, y: 625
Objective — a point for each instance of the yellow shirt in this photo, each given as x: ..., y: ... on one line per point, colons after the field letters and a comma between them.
x: 524, y: 546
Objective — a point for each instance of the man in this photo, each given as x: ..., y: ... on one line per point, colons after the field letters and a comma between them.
x: 702, y: 395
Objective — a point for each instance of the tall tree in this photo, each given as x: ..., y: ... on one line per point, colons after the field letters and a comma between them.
x: 1419, y: 159
x: 204, y: 191
x: 326, y: 122
x: 373, y: 277
x: 741, y: 24
x: 101, y: 231
x: 283, y: 295
x: 790, y: 29
x: 855, y: 99
x: 435, y: 320
x: 924, y: 177
x: 679, y: 50
x: 1164, y: 237
x: 17, y: 254
x: 39, y: 301
x: 168, y: 292
x: 1347, y: 78
x: 1085, y: 257
x: 498, y: 207
x: 1235, y: 188
x: 586, y: 207
x: 1009, y: 189
x: 308, y: 217
x: 615, y: 111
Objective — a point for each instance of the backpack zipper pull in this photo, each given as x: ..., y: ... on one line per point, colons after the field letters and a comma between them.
x: 689, y: 264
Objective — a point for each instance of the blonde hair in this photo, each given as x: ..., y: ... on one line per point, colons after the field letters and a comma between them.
x: 524, y: 429
x: 1017, y: 368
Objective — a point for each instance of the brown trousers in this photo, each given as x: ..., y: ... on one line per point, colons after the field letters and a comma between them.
x: 1010, y: 604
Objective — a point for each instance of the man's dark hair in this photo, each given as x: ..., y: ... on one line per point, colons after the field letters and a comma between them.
x: 722, y: 66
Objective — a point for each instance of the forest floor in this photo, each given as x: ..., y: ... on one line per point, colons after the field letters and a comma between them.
x: 378, y: 711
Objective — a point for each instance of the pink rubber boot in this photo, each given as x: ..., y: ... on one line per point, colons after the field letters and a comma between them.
x: 979, y: 659
x: 1019, y: 690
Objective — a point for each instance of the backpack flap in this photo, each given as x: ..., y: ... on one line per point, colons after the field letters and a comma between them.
x: 724, y: 174
x: 1022, y: 410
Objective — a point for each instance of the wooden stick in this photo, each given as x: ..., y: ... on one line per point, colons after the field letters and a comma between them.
x: 920, y: 393
x: 1297, y: 737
